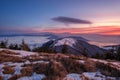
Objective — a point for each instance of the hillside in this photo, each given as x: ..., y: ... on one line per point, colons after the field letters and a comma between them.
x: 74, y: 45
x: 24, y: 65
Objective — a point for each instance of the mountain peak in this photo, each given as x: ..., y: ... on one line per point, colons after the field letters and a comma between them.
x: 67, y: 41
x: 74, y: 45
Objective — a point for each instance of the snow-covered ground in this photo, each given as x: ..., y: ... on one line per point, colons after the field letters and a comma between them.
x: 33, y: 77
x: 88, y: 76
x: 73, y: 76
x: 21, y: 53
x: 97, y: 76
x: 66, y: 41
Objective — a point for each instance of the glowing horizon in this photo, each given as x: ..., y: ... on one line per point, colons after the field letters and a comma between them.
x: 104, y: 30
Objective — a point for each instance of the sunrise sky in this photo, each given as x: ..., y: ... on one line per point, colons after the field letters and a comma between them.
x: 34, y: 16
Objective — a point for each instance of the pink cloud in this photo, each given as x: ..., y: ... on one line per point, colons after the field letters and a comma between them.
x: 105, y: 30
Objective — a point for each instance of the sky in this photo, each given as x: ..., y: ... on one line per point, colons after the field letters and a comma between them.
x: 34, y: 16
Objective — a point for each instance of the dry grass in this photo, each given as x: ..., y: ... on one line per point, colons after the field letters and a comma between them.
x: 1, y: 78
x: 55, y: 71
x: 8, y: 52
x: 90, y: 66
x: 27, y: 71
x: 8, y: 70
x: 40, y: 67
x: 15, y: 77
x: 72, y: 66
x: 108, y: 70
x: 8, y: 58
x: 5, y: 56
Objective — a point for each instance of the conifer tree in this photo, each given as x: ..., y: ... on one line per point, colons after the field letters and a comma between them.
x: 11, y: 46
x: 3, y: 44
x: 24, y: 46
x: 64, y: 49
x: 118, y: 53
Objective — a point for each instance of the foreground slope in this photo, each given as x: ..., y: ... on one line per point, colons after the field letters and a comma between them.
x: 23, y: 65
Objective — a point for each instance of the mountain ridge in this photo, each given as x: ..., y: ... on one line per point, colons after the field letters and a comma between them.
x: 74, y: 45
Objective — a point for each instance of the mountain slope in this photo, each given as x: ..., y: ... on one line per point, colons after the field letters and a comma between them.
x: 74, y: 45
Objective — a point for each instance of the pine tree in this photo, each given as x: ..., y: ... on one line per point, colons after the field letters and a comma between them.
x: 85, y: 52
x: 64, y: 49
x: 118, y: 53
x: 24, y: 46
x: 3, y: 44
x: 16, y: 47
x: 11, y: 46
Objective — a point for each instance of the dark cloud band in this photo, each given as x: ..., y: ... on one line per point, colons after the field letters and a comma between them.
x: 69, y: 20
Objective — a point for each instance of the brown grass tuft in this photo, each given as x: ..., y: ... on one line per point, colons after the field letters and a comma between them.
x: 1, y: 78
x: 8, y: 70
x: 27, y: 71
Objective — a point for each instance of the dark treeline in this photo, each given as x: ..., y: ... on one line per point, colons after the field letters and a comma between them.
x: 24, y: 46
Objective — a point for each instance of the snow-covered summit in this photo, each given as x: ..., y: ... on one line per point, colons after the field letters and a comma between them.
x: 65, y: 41
x: 74, y: 45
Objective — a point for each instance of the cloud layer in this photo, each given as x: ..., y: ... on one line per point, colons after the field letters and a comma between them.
x: 68, y: 20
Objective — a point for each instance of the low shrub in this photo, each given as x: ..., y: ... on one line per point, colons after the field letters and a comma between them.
x: 40, y: 68
x: 53, y: 70
x: 90, y: 66
x: 8, y: 70
x: 27, y: 71
x: 72, y: 66
x: 108, y: 70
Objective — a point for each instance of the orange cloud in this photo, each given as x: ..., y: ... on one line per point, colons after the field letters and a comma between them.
x: 104, y: 30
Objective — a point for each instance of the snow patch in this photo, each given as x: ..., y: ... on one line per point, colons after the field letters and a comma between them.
x: 81, y: 61
x: 21, y: 53
x: 7, y: 76
x: 24, y: 53
x: 33, y: 77
x: 41, y: 61
x: 1, y: 66
x: 73, y: 76
x: 18, y: 68
x: 96, y: 76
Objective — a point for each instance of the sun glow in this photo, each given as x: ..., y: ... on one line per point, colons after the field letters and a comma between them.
x: 104, y: 30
